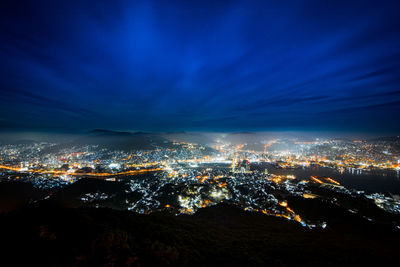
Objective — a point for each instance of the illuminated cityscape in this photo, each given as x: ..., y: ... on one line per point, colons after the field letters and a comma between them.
x: 199, y: 133
x: 181, y: 177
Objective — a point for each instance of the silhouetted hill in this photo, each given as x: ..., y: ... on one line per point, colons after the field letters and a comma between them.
x: 108, y: 132
x: 222, y: 235
x: 70, y: 195
x: 242, y: 133
x: 115, y: 133
x: 177, y: 132
x: 14, y: 195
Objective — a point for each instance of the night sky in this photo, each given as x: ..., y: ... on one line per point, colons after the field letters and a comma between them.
x: 200, y: 65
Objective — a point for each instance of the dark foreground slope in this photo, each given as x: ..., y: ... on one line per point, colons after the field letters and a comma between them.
x: 222, y: 235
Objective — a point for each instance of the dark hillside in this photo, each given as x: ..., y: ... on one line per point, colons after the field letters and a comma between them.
x: 222, y: 235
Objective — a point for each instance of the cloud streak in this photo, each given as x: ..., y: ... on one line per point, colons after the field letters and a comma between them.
x: 207, y: 65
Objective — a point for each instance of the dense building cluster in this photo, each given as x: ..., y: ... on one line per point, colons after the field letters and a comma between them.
x: 185, y: 177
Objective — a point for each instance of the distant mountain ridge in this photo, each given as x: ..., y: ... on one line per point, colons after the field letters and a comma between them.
x: 114, y: 133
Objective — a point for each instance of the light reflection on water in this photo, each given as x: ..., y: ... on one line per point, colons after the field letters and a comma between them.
x: 373, y: 181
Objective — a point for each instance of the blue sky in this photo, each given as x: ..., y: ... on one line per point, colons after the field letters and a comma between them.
x: 200, y: 65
